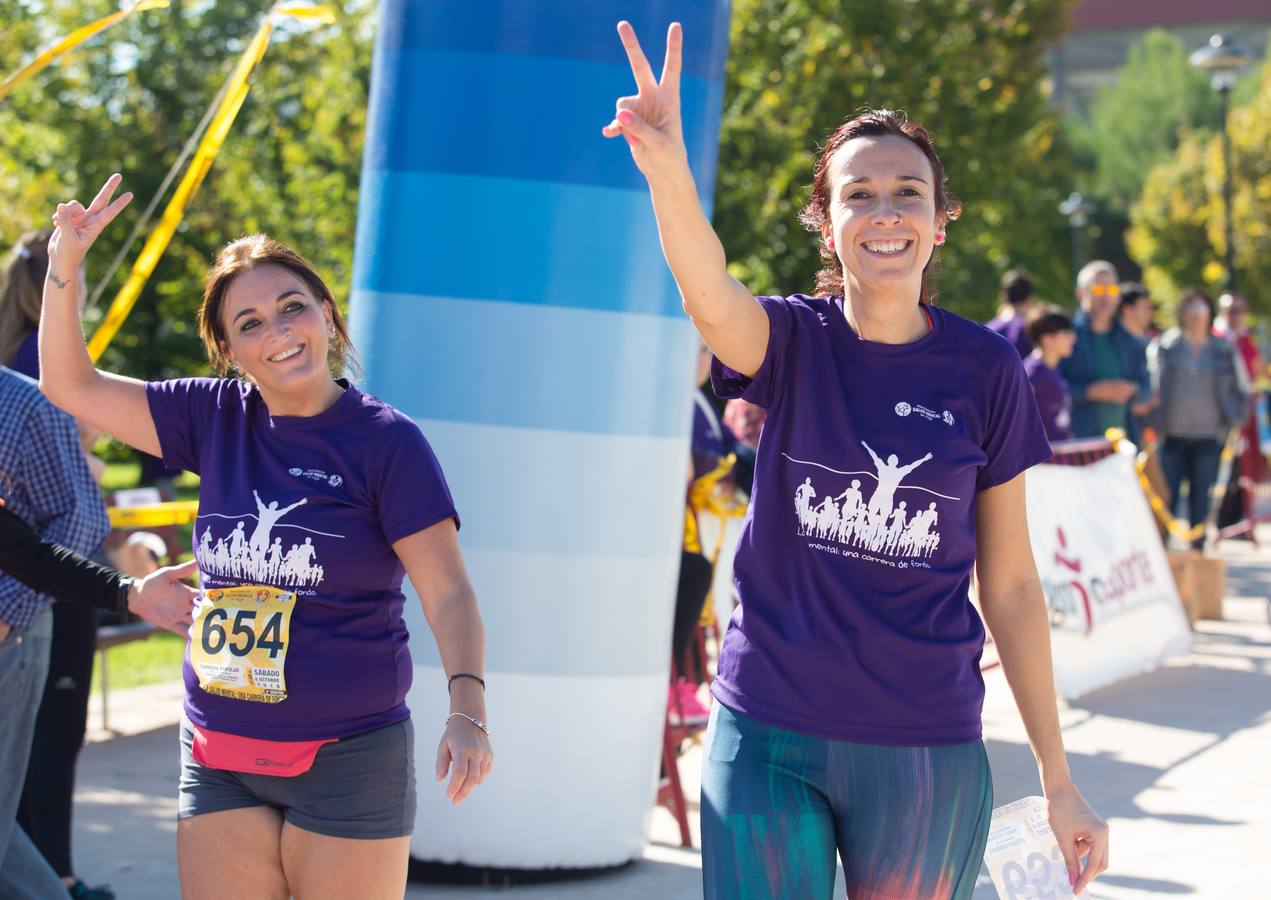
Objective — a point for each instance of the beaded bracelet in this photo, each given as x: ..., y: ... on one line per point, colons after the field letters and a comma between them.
x: 477, y: 722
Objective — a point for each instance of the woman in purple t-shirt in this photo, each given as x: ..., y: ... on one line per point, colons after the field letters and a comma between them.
x: 890, y: 466
x: 316, y: 499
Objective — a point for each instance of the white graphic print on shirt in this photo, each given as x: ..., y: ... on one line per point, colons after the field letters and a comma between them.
x: 260, y: 556
x: 879, y: 525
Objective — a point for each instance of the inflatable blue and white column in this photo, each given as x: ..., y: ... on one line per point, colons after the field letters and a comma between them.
x: 511, y: 296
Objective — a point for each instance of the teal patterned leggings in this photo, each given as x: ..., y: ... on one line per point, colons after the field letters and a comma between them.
x: 910, y: 823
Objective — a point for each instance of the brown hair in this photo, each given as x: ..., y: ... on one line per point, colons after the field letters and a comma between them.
x: 1195, y: 295
x: 872, y: 123
x: 251, y: 252
x: 22, y: 290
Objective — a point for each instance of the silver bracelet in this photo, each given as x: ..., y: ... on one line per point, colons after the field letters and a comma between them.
x: 477, y: 722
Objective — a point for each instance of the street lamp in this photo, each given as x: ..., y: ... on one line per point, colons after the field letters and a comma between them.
x: 1078, y: 210
x: 1223, y: 58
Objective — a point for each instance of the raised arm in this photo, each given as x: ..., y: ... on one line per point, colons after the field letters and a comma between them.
x: 905, y: 470
x: 113, y: 403
x: 872, y: 455
x: 727, y: 316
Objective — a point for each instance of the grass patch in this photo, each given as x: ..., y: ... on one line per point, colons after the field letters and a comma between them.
x: 151, y: 661
x: 120, y: 476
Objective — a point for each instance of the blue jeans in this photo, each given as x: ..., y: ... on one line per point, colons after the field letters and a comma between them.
x: 24, y: 664
x: 1196, y: 460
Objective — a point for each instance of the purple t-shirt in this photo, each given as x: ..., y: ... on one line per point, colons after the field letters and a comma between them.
x: 712, y: 439
x: 855, y: 559
x: 1015, y: 329
x: 26, y: 359
x: 1054, y: 398
x: 311, y: 506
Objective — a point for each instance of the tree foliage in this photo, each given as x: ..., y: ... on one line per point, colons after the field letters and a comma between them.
x: 128, y: 100
x: 1135, y: 123
x: 1177, y: 224
x: 971, y: 71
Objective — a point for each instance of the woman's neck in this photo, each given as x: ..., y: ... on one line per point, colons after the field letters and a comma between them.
x: 896, y: 319
x: 308, y: 401
x: 1196, y: 338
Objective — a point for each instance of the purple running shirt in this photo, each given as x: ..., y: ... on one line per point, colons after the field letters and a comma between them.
x: 855, y: 559
x: 302, y: 637
x: 1054, y: 398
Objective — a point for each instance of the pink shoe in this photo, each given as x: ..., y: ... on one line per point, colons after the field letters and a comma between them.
x: 685, y: 708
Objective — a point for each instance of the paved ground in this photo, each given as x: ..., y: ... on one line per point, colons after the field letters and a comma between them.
x: 1178, y: 760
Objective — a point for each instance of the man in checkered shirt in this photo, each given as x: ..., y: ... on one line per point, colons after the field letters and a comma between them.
x: 44, y: 479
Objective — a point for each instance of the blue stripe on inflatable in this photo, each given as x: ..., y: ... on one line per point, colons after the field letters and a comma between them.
x: 571, y: 29
x: 524, y: 490
x: 605, y: 373
x: 506, y: 120
x: 520, y: 241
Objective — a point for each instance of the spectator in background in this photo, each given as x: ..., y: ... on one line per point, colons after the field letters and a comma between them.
x: 1136, y: 310
x: 1204, y: 394
x: 21, y: 294
x: 45, y: 811
x: 1233, y: 325
x: 1011, y: 321
x: 1052, y: 335
x: 44, y: 480
x: 1108, y: 367
x: 712, y: 439
x: 745, y: 420
x: 141, y: 554
x: 1135, y: 314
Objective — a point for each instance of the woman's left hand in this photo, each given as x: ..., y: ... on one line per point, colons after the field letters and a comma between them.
x: 465, y: 749
x: 1080, y: 832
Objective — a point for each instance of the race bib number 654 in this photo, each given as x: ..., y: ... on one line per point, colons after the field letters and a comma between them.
x: 239, y: 642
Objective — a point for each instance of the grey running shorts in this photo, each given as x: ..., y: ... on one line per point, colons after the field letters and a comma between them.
x: 362, y: 786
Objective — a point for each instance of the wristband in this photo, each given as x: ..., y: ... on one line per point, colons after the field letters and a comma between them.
x: 476, y: 678
x: 121, y: 599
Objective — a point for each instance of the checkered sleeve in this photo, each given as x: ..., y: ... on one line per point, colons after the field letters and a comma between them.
x: 52, y: 483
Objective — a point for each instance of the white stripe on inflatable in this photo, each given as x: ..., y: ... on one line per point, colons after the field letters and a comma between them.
x: 574, y: 785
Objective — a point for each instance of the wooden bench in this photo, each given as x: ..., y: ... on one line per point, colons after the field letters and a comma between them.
x: 112, y: 636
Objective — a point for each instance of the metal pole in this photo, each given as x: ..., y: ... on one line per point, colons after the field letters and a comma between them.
x: 1224, y: 94
x: 1076, y: 249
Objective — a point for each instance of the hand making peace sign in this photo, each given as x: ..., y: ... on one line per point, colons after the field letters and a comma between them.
x: 650, y: 121
x: 77, y: 228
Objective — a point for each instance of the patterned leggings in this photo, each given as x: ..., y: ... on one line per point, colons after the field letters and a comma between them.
x: 910, y: 823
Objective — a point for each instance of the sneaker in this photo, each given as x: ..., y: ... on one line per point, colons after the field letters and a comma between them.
x: 81, y: 891
x: 685, y: 708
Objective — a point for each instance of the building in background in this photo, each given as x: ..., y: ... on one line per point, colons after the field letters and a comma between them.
x: 1103, y: 31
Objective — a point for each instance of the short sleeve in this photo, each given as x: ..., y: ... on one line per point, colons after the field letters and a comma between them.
x: 182, y: 410
x: 765, y: 385
x: 1014, y: 436
x: 411, y: 490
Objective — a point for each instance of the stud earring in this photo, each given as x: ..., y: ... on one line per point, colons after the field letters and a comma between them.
x: 829, y: 243
x: 940, y: 240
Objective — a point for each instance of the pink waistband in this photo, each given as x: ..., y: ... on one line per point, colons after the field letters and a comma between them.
x: 235, y: 753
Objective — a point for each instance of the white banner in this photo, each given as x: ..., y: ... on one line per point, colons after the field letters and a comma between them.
x: 1114, y: 609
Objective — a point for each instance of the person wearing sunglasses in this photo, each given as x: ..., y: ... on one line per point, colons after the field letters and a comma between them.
x: 1107, y: 371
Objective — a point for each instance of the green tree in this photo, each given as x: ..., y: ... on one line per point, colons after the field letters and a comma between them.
x: 1177, y: 223
x: 1136, y: 122
x: 970, y: 70
x: 128, y: 100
